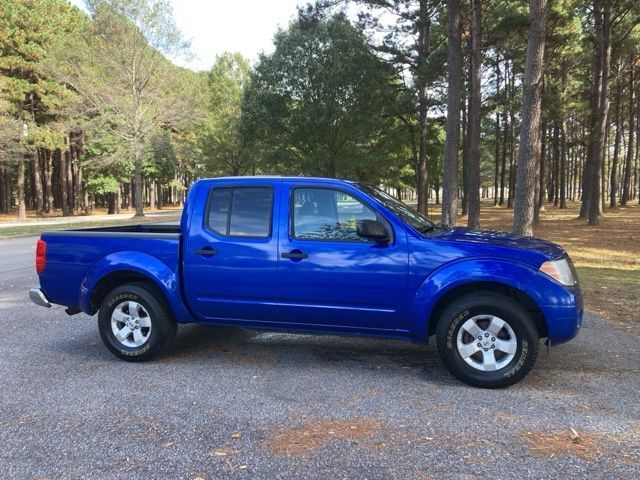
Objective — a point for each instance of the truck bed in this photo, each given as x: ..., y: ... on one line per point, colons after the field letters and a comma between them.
x: 141, y: 230
x: 74, y: 257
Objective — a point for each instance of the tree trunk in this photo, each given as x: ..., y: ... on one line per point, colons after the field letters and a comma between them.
x: 529, y: 152
x: 496, y: 173
x: 48, y: 190
x: 3, y: 194
x: 69, y: 184
x: 591, y: 202
x: 613, y: 185
x: 118, y: 199
x: 152, y: 194
x: 540, y: 191
x: 452, y: 141
x: 37, y: 183
x: 512, y: 140
x: 137, y: 163
x: 503, y: 166
x: 562, y: 166
x: 496, y: 166
x: 424, y: 27
x: 473, y: 167
x: 603, y: 111
x: 22, y: 206
x: 626, y: 184
x: 64, y: 201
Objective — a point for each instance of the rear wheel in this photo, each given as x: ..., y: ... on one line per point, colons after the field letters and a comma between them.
x: 487, y: 340
x: 135, y: 323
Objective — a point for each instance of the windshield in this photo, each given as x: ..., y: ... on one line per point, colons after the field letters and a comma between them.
x: 402, y: 210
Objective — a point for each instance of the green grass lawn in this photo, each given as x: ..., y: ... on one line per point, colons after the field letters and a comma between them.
x: 37, y: 229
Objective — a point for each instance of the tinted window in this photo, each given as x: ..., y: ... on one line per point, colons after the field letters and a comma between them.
x: 219, y: 201
x: 324, y: 214
x: 241, y: 212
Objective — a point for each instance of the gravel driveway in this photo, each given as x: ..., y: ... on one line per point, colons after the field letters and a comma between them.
x: 234, y: 403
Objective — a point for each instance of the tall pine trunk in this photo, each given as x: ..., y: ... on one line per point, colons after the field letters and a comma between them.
x: 473, y: 166
x: 22, y: 206
x: 424, y: 28
x: 591, y: 193
x: 613, y: 185
x: 626, y: 184
x: 452, y: 141
x: 529, y: 153
x: 48, y: 190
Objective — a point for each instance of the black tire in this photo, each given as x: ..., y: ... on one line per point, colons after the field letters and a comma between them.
x: 163, y: 325
x: 487, y: 303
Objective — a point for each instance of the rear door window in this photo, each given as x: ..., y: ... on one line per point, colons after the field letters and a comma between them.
x: 244, y: 212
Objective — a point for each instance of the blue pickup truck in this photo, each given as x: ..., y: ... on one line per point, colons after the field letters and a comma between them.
x: 317, y: 255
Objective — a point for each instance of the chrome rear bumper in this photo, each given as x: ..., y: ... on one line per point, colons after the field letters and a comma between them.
x: 37, y: 296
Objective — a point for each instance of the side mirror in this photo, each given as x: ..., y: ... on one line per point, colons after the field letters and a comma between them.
x: 372, y: 230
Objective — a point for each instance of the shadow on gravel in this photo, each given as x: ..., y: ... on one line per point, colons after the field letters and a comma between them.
x: 235, y: 347
x: 304, y: 351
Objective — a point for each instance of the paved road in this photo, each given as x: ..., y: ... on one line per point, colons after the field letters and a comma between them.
x: 234, y: 403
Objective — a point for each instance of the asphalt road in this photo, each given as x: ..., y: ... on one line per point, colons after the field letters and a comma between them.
x: 235, y: 403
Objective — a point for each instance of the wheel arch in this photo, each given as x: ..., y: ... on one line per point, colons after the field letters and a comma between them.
x: 518, y: 281
x: 510, y: 291
x: 132, y: 267
x: 113, y: 280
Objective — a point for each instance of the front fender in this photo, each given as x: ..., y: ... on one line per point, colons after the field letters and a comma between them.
x: 158, y: 272
x: 560, y: 306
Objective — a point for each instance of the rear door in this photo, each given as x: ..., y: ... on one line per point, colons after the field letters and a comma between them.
x: 230, y: 258
x: 330, y: 277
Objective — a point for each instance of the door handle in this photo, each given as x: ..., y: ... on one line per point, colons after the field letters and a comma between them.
x: 296, y: 255
x: 206, y: 252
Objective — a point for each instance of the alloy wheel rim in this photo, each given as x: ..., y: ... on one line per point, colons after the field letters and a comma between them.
x: 486, y: 343
x: 131, y: 324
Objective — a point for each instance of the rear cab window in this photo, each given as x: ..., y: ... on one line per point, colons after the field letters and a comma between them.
x: 240, y: 212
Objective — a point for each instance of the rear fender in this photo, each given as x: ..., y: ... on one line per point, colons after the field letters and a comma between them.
x: 141, y: 263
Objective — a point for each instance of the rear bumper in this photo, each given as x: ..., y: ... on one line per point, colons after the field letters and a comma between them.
x: 38, y: 297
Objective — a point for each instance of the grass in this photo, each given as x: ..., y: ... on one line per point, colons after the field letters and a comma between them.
x: 606, y: 256
x: 57, y: 213
x: 37, y: 229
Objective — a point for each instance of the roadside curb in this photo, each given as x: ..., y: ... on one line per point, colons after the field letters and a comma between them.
x: 20, y: 235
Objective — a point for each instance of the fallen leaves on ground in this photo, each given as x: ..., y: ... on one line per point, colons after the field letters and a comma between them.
x: 313, y: 435
x: 564, y: 443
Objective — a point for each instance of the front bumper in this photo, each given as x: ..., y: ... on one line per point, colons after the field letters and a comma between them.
x: 38, y: 297
x: 565, y: 321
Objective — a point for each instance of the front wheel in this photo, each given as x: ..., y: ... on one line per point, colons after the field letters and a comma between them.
x: 135, y: 323
x: 487, y: 340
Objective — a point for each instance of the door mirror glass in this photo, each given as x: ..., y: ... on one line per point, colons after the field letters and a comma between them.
x: 372, y: 230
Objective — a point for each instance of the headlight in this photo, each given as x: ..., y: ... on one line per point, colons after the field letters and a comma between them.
x: 561, y: 271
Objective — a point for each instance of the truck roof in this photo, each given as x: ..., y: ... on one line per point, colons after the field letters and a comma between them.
x: 277, y: 178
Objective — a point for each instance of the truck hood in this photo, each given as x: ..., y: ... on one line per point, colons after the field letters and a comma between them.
x: 505, y: 240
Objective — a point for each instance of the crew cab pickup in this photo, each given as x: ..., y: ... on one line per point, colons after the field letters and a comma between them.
x: 317, y: 255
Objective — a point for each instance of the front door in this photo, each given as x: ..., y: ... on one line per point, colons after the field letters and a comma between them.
x: 230, y: 255
x: 330, y: 277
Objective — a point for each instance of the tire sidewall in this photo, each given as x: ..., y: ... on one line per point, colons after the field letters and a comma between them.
x: 156, y: 315
x: 518, y: 319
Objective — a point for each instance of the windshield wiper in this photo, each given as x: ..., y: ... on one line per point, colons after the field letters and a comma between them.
x: 432, y: 227
x: 427, y: 228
